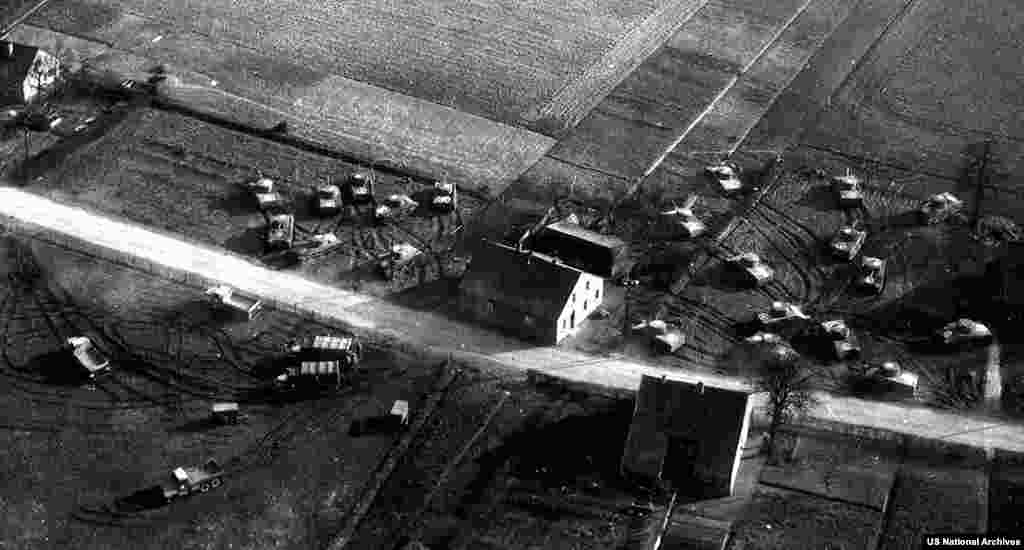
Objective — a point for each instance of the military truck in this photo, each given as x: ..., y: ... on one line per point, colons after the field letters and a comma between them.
x: 359, y: 188
x: 328, y: 200
x: 262, y: 189
x: 849, y: 190
x: 229, y: 298
x: 190, y: 480
x: 280, y: 231
x: 400, y: 256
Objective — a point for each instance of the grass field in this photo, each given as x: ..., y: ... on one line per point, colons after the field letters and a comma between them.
x: 970, y: 62
x: 70, y: 450
x: 500, y: 60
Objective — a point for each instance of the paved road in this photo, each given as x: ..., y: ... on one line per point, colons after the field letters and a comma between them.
x: 118, y: 240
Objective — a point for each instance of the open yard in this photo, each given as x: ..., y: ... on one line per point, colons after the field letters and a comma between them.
x: 177, y: 174
x: 72, y: 448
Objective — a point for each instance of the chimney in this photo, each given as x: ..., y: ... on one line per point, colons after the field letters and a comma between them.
x: 6, y: 49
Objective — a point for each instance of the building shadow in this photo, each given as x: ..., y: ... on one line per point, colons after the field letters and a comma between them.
x: 249, y: 243
x: 236, y: 202
x: 58, y: 368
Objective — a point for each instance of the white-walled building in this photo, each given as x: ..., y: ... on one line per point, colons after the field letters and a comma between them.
x: 532, y: 295
x: 25, y: 72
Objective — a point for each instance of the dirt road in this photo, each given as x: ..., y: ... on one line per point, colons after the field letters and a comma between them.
x: 118, y: 241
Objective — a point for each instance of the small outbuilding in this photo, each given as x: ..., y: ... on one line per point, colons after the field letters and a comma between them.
x: 535, y: 296
x: 590, y: 251
x: 25, y: 72
x: 688, y: 435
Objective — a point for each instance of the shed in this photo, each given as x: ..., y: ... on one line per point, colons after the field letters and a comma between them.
x: 590, y: 251
x: 533, y: 295
x: 25, y: 72
x: 689, y: 435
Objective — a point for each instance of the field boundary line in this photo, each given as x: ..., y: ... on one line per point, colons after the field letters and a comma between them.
x: 789, y: 81
x: 569, y: 104
x: 19, y: 19
x: 387, y: 467
x: 825, y: 496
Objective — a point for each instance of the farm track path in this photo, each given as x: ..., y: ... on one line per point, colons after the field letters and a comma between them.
x: 120, y: 242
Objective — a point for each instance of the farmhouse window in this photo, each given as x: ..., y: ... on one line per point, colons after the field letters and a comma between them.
x: 529, y: 320
x: 588, y: 285
x: 490, y: 306
x: 586, y: 304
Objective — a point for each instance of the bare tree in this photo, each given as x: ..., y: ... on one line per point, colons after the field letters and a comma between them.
x: 789, y: 390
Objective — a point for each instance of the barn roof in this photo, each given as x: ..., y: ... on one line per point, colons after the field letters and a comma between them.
x: 13, y: 72
x: 534, y: 283
x: 576, y: 231
x: 679, y: 409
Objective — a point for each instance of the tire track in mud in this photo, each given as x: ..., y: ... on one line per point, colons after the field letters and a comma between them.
x: 790, y: 253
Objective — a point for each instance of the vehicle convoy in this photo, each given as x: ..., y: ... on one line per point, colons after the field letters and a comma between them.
x: 849, y: 190
x: 965, y: 332
x: 872, y: 276
x: 227, y: 297
x: 727, y: 174
x: 88, y: 356
x: 359, y: 188
x: 445, y: 197
x: 888, y: 378
x: 343, y: 348
x: 752, y: 268
x: 394, y: 206
x: 400, y: 256
x: 939, y: 208
x: 262, y: 188
x: 779, y: 350
x: 664, y: 338
x: 682, y: 220
x: 847, y: 242
x: 838, y: 340
x: 328, y: 200
x: 782, y: 314
x: 280, y: 231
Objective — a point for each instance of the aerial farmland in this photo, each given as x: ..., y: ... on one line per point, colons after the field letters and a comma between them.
x: 810, y: 206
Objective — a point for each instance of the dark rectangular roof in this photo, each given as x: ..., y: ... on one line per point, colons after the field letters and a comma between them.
x: 534, y: 283
x: 680, y: 407
x: 577, y: 231
x: 13, y: 72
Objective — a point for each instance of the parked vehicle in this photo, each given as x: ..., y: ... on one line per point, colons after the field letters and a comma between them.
x: 782, y: 313
x: 872, y: 275
x: 328, y: 200
x: 779, y: 350
x: 847, y: 242
x: 965, y: 331
x: 345, y: 349
x: 939, y: 208
x: 359, y: 188
x: 843, y: 343
x: 228, y: 297
x: 664, y: 338
x: 397, y: 419
x: 401, y: 255
x: 318, y: 245
x: 280, y: 231
x: 849, y: 190
x: 225, y: 413
x: 394, y: 206
x: 315, y: 373
x: 262, y: 189
x: 445, y: 197
x: 752, y: 267
x: 190, y: 480
x: 888, y: 377
x: 683, y: 221
x: 727, y: 174
x: 88, y: 356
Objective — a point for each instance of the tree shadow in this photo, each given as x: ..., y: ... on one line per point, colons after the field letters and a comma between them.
x: 902, y: 220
